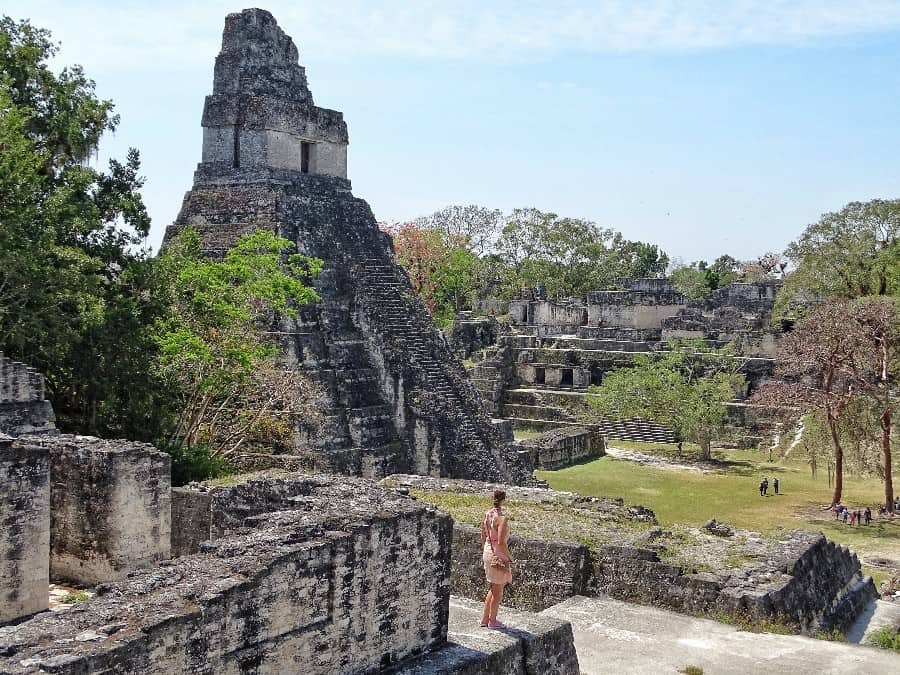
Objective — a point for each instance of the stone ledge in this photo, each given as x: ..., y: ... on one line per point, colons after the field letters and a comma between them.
x: 532, y: 643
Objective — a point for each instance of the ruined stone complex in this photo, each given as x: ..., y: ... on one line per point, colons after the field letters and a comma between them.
x: 398, y: 400
x: 537, y: 371
x: 303, y: 572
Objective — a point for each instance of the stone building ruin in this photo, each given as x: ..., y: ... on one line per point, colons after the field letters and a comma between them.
x: 537, y: 372
x: 398, y: 400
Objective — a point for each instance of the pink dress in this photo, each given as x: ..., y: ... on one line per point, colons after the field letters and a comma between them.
x: 495, y: 575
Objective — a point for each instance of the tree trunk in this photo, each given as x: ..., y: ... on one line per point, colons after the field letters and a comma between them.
x: 705, y: 450
x: 886, y: 437
x: 838, y: 460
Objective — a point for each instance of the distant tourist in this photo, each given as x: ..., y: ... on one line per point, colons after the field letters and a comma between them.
x: 859, y: 517
x: 846, y: 513
x: 838, y: 508
x: 496, y: 557
x: 762, y: 487
x: 765, y: 486
x: 852, y: 518
x: 775, y: 485
x: 868, y: 515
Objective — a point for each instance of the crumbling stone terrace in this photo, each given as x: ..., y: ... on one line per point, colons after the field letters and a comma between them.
x: 551, y: 351
x: 567, y: 544
x: 349, y: 579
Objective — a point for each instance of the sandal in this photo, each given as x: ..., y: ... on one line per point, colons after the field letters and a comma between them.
x: 496, y: 624
x: 485, y: 624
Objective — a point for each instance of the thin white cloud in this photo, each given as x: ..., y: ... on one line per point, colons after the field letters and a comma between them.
x: 140, y: 34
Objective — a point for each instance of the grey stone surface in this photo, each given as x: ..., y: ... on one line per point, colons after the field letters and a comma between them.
x: 531, y: 644
x: 559, y: 448
x: 24, y: 530
x: 110, y: 506
x: 537, y: 371
x: 191, y: 520
x: 349, y: 579
x: 397, y: 399
x: 614, y: 638
x: 23, y: 406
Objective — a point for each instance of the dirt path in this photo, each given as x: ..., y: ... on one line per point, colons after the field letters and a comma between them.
x: 655, y: 461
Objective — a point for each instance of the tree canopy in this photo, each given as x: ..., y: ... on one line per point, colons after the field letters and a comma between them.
x: 72, y: 269
x: 684, y: 388
x: 849, y: 253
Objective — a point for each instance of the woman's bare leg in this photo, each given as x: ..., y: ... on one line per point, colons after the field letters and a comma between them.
x: 488, y: 603
x: 496, y: 598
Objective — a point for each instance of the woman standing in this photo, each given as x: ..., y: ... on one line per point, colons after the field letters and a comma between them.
x: 497, y: 560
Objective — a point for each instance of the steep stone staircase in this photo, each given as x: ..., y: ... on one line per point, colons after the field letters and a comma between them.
x: 417, y: 350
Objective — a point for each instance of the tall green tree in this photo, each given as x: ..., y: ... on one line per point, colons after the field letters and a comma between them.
x: 215, y: 350
x: 73, y: 275
x: 684, y: 388
x: 849, y: 253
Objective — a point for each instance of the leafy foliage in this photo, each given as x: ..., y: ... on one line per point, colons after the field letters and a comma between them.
x: 74, y: 281
x: 213, y: 350
x: 452, y: 253
x: 684, y: 388
x: 849, y: 253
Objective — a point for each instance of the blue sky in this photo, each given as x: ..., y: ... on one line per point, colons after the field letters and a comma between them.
x: 707, y: 127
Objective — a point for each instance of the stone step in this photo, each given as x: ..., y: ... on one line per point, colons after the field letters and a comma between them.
x: 537, y: 412
x: 533, y: 644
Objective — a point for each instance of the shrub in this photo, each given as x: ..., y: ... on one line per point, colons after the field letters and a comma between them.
x: 886, y: 637
x: 196, y: 464
x: 75, y: 596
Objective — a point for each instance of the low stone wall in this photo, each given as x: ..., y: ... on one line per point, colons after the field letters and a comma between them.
x: 24, y: 530
x: 191, y: 516
x: 352, y: 579
x: 545, y: 572
x: 110, y: 506
x: 559, y: 448
x: 808, y: 582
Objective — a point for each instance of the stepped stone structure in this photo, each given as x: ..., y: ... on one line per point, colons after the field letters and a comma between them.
x: 537, y: 371
x: 299, y: 574
x: 802, y: 579
x: 398, y: 400
x: 23, y: 407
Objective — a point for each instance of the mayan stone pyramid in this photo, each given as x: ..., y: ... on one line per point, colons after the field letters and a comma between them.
x: 398, y: 400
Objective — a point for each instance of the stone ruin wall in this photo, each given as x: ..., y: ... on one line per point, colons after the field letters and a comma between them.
x: 80, y: 509
x: 350, y: 580
x: 537, y: 371
x: 110, y: 507
x: 559, y: 448
x: 807, y: 582
x: 25, y: 531
x: 23, y: 406
x: 397, y: 399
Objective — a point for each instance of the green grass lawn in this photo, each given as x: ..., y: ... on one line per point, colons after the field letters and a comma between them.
x: 732, y: 496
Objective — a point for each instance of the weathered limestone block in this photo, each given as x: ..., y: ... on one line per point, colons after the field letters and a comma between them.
x: 191, y: 516
x: 110, y: 506
x: 559, y: 448
x: 23, y: 408
x: 352, y: 579
x: 533, y: 644
x: 24, y: 530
